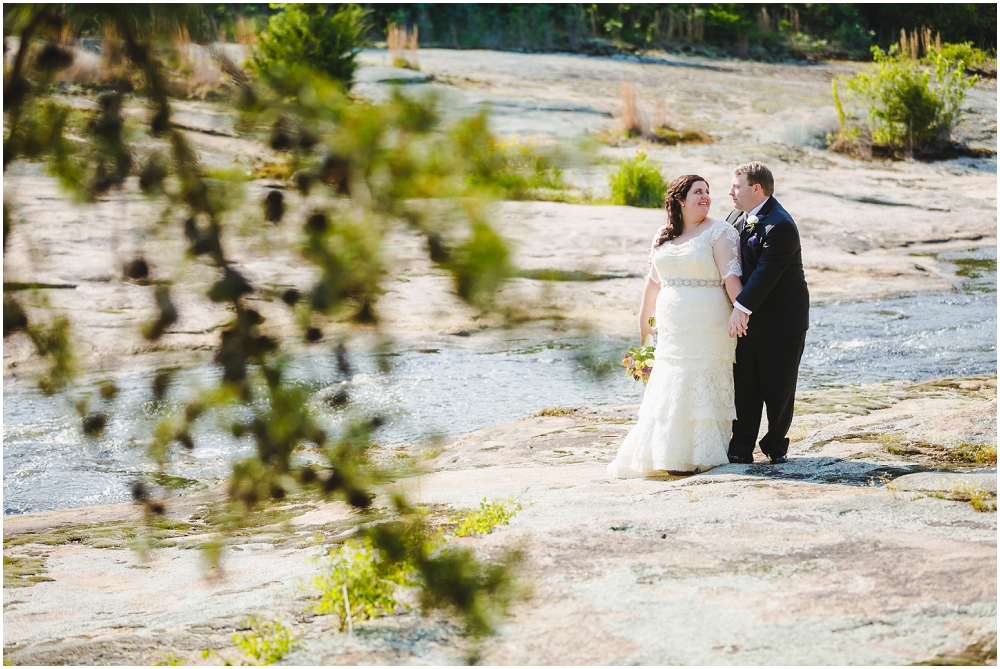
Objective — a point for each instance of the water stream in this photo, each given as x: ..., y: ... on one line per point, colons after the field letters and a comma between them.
x: 49, y: 464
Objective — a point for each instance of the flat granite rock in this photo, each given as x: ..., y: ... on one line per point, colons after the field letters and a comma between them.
x: 376, y: 75
x: 847, y: 559
x: 985, y: 481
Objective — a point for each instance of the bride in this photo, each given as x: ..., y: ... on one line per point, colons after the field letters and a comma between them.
x: 685, y: 420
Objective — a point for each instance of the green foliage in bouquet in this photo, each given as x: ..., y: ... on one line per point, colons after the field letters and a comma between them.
x: 637, y: 183
x: 638, y: 363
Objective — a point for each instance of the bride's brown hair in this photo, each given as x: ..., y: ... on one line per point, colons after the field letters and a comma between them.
x: 676, y: 193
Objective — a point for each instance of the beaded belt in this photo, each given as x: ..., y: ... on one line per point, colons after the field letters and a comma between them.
x: 692, y: 282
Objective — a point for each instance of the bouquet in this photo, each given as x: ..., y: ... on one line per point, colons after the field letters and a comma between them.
x: 638, y: 360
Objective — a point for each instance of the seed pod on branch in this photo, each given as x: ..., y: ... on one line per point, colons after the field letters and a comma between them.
x: 167, y: 315
x: 53, y: 58
x: 136, y: 270
x: 274, y: 206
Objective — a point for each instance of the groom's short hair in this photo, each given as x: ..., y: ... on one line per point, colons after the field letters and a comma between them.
x: 757, y: 173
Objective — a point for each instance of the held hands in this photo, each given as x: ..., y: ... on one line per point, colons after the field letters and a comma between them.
x: 738, y: 323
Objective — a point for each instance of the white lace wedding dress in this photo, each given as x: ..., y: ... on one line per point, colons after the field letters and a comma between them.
x: 685, y: 421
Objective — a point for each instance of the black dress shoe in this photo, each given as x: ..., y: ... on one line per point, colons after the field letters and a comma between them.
x: 740, y: 460
x: 779, y: 460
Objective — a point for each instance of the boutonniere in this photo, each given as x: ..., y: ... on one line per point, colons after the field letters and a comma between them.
x: 752, y: 221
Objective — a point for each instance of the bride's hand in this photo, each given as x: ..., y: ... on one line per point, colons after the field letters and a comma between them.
x: 738, y: 323
x: 646, y: 332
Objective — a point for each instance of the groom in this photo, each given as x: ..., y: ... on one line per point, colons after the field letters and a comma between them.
x: 770, y: 318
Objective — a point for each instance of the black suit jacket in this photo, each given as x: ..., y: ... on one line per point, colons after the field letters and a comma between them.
x: 774, y: 285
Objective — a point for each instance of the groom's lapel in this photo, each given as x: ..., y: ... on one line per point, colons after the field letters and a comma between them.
x: 768, y: 206
x: 734, y: 218
x: 741, y: 225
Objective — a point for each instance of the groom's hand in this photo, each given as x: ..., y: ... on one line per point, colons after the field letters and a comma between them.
x: 738, y: 323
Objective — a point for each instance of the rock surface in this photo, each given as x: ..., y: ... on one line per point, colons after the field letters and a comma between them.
x: 849, y: 554
x: 869, y: 229
x: 867, y: 548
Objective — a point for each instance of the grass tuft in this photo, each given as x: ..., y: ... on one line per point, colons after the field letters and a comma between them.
x: 372, y: 583
x: 632, y: 120
x: 172, y: 659
x: 489, y: 515
x: 557, y: 411
x: 403, y: 45
x: 977, y: 454
x: 20, y: 572
x: 266, y: 642
x: 983, y: 501
x: 638, y: 183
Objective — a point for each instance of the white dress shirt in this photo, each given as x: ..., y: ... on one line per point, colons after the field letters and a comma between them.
x: 752, y: 212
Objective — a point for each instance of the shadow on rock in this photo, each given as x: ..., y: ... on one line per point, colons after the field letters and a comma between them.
x: 827, y: 470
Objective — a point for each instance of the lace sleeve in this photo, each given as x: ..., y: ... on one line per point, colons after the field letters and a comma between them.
x: 653, y: 274
x: 726, y: 249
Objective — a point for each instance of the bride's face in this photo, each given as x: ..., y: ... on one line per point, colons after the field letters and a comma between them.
x: 698, y: 201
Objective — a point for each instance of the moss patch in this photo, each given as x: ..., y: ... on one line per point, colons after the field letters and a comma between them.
x: 862, y: 400
x: 980, y: 500
x: 177, y: 482
x: 973, y: 387
x: 962, y: 455
x: 672, y: 137
x: 557, y: 411
x: 981, y: 653
x: 855, y: 401
x: 157, y: 533
x: 974, y: 454
x: 19, y: 572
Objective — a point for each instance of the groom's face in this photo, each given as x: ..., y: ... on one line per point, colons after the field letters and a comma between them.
x: 745, y: 197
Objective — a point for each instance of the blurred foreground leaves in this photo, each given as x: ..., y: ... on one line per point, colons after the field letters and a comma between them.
x: 366, y: 168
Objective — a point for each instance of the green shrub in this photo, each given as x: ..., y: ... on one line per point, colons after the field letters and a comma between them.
x: 911, y: 106
x: 313, y: 35
x: 267, y: 642
x: 846, y: 138
x: 406, y: 554
x: 371, y: 580
x: 527, y: 168
x: 638, y: 183
x: 966, y: 56
x: 514, y: 170
x: 489, y: 515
